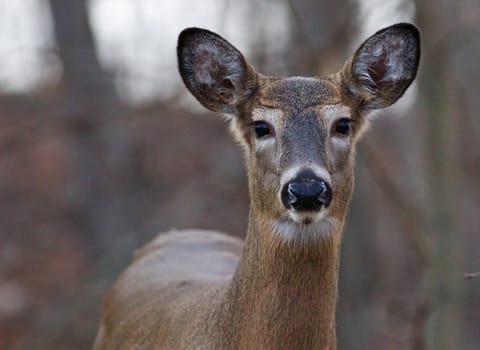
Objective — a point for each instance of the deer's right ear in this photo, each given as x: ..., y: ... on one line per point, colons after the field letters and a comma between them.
x: 214, y: 71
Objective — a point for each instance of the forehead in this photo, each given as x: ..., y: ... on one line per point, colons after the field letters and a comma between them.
x: 297, y: 93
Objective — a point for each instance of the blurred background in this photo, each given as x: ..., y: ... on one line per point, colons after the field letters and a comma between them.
x: 101, y: 147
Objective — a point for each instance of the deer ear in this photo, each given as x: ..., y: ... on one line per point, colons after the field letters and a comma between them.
x: 214, y: 71
x: 384, y: 66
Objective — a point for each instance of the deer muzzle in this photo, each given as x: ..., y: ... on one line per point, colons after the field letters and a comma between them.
x: 306, y: 193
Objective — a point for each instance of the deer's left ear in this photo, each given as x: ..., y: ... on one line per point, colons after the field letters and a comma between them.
x: 214, y: 71
x: 384, y: 66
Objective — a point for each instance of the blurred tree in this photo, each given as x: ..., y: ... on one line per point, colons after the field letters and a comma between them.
x: 101, y: 151
x: 90, y: 162
x: 85, y: 96
x: 321, y: 35
x: 83, y: 77
x: 443, y: 283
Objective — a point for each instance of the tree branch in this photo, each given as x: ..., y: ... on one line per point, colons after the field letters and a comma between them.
x: 471, y: 275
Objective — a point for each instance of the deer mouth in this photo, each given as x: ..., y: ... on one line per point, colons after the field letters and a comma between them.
x: 306, y: 218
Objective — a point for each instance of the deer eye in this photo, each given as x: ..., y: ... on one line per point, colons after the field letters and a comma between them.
x: 262, y: 129
x: 343, y: 126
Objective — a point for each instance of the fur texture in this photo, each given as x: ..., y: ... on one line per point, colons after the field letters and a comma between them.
x: 200, y: 289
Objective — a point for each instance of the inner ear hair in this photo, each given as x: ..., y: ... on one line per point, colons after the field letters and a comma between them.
x: 214, y: 71
x: 384, y: 66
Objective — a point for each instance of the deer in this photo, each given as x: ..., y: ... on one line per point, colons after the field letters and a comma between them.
x: 199, y: 289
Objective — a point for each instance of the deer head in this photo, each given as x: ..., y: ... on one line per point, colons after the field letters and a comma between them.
x: 299, y: 134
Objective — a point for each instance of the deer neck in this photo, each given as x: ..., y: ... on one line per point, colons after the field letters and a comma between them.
x: 283, y: 294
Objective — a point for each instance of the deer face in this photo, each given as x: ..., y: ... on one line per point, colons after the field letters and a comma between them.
x: 299, y: 134
x: 300, y: 143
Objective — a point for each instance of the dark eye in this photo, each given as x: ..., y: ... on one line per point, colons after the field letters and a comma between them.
x: 262, y: 129
x: 343, y: 126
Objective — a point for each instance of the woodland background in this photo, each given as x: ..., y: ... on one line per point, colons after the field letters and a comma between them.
x: 101, y: 148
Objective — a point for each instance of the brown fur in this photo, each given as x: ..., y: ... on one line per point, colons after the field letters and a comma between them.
x: 200, y: 289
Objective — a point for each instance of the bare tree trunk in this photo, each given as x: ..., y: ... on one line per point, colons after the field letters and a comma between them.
x: 444, y: 285
x: 321, y: 35
x: 83, y: 75
x: 100, y: 147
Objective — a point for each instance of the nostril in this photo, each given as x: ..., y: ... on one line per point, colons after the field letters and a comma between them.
x: 325, y: 196
x: 292, y: 196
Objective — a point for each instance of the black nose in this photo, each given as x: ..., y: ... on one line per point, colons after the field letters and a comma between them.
x: 307, y: 192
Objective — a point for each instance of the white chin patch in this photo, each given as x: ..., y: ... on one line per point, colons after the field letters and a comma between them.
x: 307, y: 218
x: 305, y: 227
